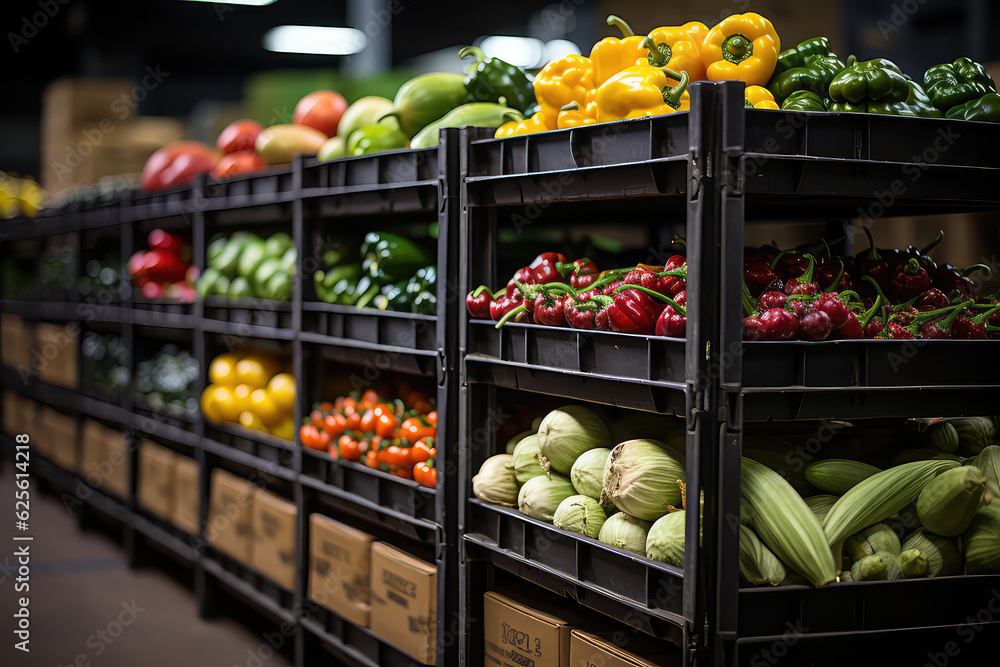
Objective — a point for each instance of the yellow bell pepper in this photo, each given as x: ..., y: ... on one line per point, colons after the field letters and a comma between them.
x: 540, y: 122
x: 759, y: 97
x: 572, y: 115
x: 563, y: 81
x: 611, y: 55
x: 639, y: 91
x: 677, y: 48
x: 743, y: 47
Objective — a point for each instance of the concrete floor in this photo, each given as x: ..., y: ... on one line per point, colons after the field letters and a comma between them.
x: 87, y: 608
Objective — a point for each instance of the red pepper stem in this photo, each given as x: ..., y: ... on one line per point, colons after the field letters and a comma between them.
x: 840, y: 276
x: 545, y: 288
x: 980, y: 319
x: 872, y: 250
x: 912, y: 267
x: 483, y: 288
x: 849, y: 295
x: 679, y: 240
x: 807, y: 277
x: 867, y: 317
x: 931, y: 314
x: 975, y: 267
x: 621, y: 25
x: 878, y: 289
x: 510, y: 315
x: 781, y: 254
x: 930, y: 246
x: 652, y: 293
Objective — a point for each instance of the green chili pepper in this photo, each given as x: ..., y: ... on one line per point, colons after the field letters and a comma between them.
x: 493, y: 80
x: 952, y: 84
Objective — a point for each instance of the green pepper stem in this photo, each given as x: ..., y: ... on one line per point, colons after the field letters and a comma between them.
x: 483, y: 288
x: 878, y: 288
x: 930, y: 246
x: 512, y: 115
x: 510, y: 315
x: 572, y: 106
x: 652, y: 293
x: 774, y: 262
x: 621, y: 25
x: 655, y: 56
x: 673, y: 98
x: 840, y: 276
x: 979, y: 319
x: 975, y: 267
x: 867, y: 317
x: 807, y: 277
x: 912, y: 267
x: 475, y: 51
x: 749, y: 305
x: 826, y: 249
x: 872, y: 250
x: 545, y: 288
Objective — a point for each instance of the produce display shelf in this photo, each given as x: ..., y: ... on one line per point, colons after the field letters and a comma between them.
x: 169, y: 319
x: 661, y: 397
x: 405, y: 517
x: 165, y: 306
x: 868, y: 605
x: 260, y: 451
x: 181, y: 202
x: 354, y: 642
x: 142, y: 409
x: 350, y: 325
x: 376, y: 172
x: 61, y: 221
x: 270, y: 186
x: 68, y: 311
x: 248, y: 312
x: 167, y: 536
x: 650, y: 587
x: 262, y: 592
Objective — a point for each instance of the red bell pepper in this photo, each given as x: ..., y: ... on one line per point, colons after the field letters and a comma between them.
x: 163, y: 267
x: 545, y: 268
x: 909, y: 280
x: 478, y: 302
x: 583, y: 274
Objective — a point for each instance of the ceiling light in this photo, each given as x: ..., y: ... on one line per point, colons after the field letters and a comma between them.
x: 559, y: 48
x: 320, y: 40
x: 519, y: 51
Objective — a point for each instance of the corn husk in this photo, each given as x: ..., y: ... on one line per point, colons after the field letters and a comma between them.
x: 988, y: 463
x: 567, y: 432
x: 982, y: 541
x: 790, y: 469
x: 496, y: 482
x: 947, y: 503
x: 665, y: 539
x: 625, y: 532
x: 758, y: 564
x: 821, y: 504
x: 540, y: 496
x: 877, y: 567
x: 587, y: 473
x: 942, y: 555
x: 641, y: 478
x: 871, y: 540
x: 837, y: 476
x: 580, y: 514
x: 526, y: 463
x: 512, y: 443
x: 912, y: 455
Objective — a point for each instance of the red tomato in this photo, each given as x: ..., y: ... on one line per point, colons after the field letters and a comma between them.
x: 237, y: 162
x: 321, y: 110
x: 239, y: 135
x: 175, y: 165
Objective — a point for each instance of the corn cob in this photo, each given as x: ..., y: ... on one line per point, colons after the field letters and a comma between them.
x: 837, y: 476
x: 821, y: 504
x: 785, y: 523
x: 982, y: 541
x: 871, y: 540
x: 758, y: 564
x: 942, y: 555
x: 946, y: 504
x: 988, y: 462
x: 879, y: 496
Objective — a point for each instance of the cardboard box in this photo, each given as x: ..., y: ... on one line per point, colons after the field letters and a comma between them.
x: 57, y: 345
x: 15, y: 342
x: 116, y: 447
x: 230, y: 515
x: 61, y: 436
x: 156, y: 479
x: 517, y: 634
x: 14, y: 418
x: 404, y: 602
x: 607, y: 649
x: 104, y: 458
x: 274, y: 537
x: 185, y: 513
x: 340, y: 568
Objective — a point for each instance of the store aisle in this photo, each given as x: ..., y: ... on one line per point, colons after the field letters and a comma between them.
x: 88, y: 608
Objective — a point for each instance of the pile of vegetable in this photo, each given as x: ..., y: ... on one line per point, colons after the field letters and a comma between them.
x: 394, y: 273
x: 569, y: 473
x: 164, y: 271
x: 394, y: 435
x: 20, y: 196
x: 168, y: 381
x: 925, y: 512
x: 100, y: 279
x: 245, y: 265
x: 807, y: 293
x: 254, y: 390
x: 104, y: 364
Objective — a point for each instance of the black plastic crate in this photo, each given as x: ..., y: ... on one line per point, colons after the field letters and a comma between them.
x: 140, y: 205
x: 160, y: 306
x: 400, y: 330
x: 276, y: 455
x: 387, y: 491
x: 398, y: 167
x: 268, y: 186
x: 249, y: 312
x: 267, y: 594
x: 605, y: 353
x: 621, y: 574
x: 357, y: 643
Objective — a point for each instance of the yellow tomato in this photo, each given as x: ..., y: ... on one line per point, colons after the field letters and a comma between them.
x: 264, y: 406
x: 241, y: 399
x: 282, y: 390
x: 285, y: 430
x: 253, y: 371
x: 222, y: 370
x: 251, y: 421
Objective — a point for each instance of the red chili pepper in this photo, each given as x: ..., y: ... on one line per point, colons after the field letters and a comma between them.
x: 949, y: 278
x: 759, y: 277
x: 164, y: 267
x: 170, y: 243
x: 584, y: 273
x: 478, y: 302
x: 909, y: 280
x: 502, y: 306
x: 972, y: 328
x: 789, y: 263
x: 804, y: 283
x: 851, y: 329
x: 873, y: 265
x: 753, y: 328
x: 800, y: 305
x: 778, y: 324
x: 522, y: 275
x: 582, y: 309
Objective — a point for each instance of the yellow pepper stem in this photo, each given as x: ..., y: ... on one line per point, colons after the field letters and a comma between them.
x: 737, y: 48
x: 673, y: 96
x: 659, y: 54
x: 621, y: 25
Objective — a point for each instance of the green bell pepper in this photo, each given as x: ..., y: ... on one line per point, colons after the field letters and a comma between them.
x: 815, y: 76
x: 796, y: 57
x: 920, y: 103
x: 493, y: 80
x: 952, y: 84
x: 986, y: 108
x: 877, y: 80
x: 805, y: 100
x: 389, y: 257
x: 375, y: 138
